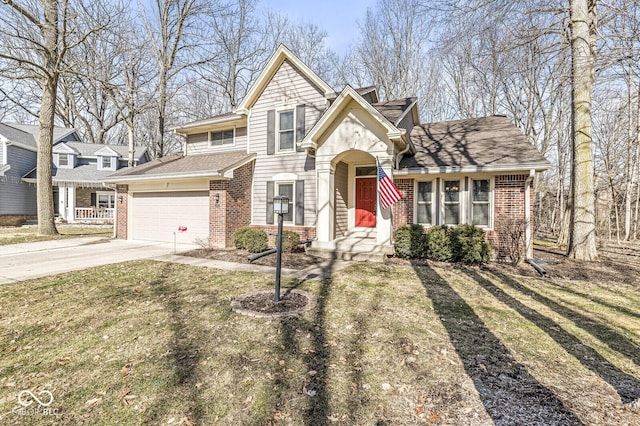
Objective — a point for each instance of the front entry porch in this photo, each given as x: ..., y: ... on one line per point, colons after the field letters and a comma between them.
x: 85, y: 204
x: 351, y: 223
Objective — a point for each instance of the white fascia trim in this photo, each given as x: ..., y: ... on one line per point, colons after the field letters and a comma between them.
x: 392, y: 131
x: 520, y: 168
x: 65, y: 149
x: 21, y: 145
x: 167, y: 176
x: 276, y: 60
x: 205, y: 124
x: 4, y: 168
x: 105, y: 149
x: 406, y: 111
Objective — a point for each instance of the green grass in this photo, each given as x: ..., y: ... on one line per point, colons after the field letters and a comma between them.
x: 29, y: 234
x: 157, y: 343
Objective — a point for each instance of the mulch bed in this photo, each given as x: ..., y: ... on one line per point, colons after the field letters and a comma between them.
x: 262, y: 304
x: 297, y: 260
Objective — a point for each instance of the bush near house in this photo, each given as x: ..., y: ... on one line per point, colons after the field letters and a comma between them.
x: 469, y: 245
x: 410, y: 242
x: 290, y: 240
x: 464, y: 243
x: 251, y: 239
x: 439, y: 244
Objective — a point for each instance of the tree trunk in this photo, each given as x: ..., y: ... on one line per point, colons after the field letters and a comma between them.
x: 582, y: 237
x: 132, y: 146
x: 44, y: 191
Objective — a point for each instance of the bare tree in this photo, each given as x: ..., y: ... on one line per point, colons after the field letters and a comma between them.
x: 582, y: 233
x: 37, y: 38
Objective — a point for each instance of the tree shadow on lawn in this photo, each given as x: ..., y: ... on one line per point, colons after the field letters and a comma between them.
x: 185, y: 356
x: 626, y: 385
x: 507, y: 390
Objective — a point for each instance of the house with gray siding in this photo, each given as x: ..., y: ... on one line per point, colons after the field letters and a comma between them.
x: 294, y: 135
x: 79, y: 170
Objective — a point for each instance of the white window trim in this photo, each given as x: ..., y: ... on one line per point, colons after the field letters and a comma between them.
x: 223, y: 146
x: 101, y: 162
x: 491, y: 202
x: 461, y: 198
x: 434, y: 194
x: 70, y: 160
x: 279, y: 110
x: 276, y: 191
x: 110, y: 194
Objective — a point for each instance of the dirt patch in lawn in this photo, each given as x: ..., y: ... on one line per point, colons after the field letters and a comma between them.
x: 297, y: 260
x: 262, y: 303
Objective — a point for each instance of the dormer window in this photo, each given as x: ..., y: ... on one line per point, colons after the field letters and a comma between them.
x: 63, y: 160
x: 107, y: 162
x: 223, y: 137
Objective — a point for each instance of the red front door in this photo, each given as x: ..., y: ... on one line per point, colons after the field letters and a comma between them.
x: 366, y: 202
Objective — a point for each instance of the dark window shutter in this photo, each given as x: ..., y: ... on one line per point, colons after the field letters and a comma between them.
x: 270, y: 203
x: 271, y: 132
x: 94, y: 199
x: 300, y: 202
x: 300, y: 126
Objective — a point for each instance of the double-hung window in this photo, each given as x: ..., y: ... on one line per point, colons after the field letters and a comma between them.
x: 481, y: 202
x: 223, y: 137
x: 286, y: 131
x: 63, y: 160
x: 285, y: 189
x: 107, y: 162
x: 451, y: 202
x: 424, y: 203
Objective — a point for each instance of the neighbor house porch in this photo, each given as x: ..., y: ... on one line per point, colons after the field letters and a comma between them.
x: 82, y: 203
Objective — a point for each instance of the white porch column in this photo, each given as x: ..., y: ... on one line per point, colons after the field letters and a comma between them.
x: 71, y: 211
x: 324, y: 221
x: 384, y: 226
x: 62, y: 200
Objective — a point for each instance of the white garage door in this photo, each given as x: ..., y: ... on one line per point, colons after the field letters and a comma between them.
x: 155, y: 216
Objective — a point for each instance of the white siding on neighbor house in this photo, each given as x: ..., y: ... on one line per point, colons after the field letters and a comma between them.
x: 287, y: 85
x: 198, y: 143
x: 17, y: 197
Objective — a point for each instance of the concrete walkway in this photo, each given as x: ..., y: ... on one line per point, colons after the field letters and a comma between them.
x: 19, y: 262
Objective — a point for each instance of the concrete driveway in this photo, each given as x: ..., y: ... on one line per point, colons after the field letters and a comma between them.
x: 19, y: 262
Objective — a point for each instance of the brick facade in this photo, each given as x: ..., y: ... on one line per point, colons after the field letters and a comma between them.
x: 232, y: 209
x: 509, y: 205
x: 403, y: 209
x: 305, y: 232
x: 122, y: 211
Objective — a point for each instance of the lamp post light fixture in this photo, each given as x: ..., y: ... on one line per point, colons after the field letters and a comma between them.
x: 280, y: 207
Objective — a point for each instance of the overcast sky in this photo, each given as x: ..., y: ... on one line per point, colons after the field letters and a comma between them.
x: 338, y: 17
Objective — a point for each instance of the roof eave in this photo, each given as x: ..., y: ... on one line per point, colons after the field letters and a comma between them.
x: 205, y: 125
x: 166, y: 176
x: 523, y: 167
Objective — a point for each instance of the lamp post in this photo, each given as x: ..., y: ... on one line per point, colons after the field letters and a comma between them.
x: 280, y: 207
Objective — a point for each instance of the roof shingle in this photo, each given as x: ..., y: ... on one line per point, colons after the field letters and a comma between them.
x: 486, y: 141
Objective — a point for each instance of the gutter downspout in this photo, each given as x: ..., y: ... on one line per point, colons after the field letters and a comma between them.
x: 400, y: 154
x: 528, y: 240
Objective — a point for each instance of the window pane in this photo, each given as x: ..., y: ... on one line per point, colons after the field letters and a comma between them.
x: 286, y: 120
x: 481, y: 190
x: 286, y: 140
x: 286, y: 190
x: 451, y: 214
x: 63, y: 159
x: 480, y: 214
x: 451, y: 191
x: 227, y: 137
x: 106, y: 162
x: 366, y: 171
x: 424, y: 214
x: 424, y: 192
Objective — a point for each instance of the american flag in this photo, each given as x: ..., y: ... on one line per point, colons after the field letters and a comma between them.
x: 389, y: 194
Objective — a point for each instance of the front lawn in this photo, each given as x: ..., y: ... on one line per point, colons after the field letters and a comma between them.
x: 29, y: 234
x: 157, y: 343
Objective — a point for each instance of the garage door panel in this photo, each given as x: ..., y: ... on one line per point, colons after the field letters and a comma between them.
x: 157, y: 215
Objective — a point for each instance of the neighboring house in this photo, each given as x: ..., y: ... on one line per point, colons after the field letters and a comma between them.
x: 18, y: 154
x: 293, y: 135
x: 79, y: 171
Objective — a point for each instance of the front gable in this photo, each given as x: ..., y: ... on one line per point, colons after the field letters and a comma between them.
x: 278, y: 59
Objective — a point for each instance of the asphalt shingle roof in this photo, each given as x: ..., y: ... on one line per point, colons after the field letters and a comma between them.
x: 89, y: 149
x: 181, y: 164
x: 486, y: 141
x: 393, y: 110
x: 27, y: 134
